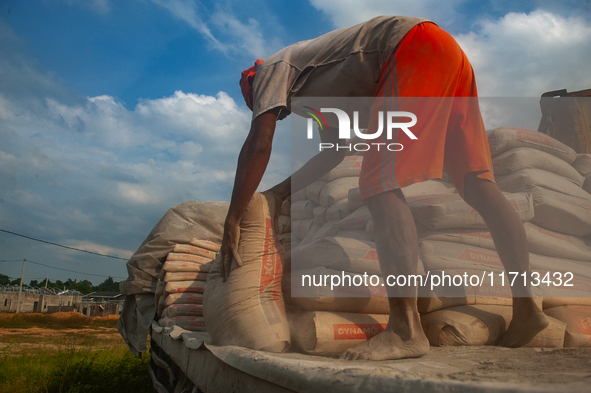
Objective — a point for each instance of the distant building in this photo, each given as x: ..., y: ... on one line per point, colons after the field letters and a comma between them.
x: 98, y: 304
x: 37, y: 299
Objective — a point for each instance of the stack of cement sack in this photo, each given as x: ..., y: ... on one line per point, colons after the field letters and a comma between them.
x: 179, y: 292
x: 331, y: 234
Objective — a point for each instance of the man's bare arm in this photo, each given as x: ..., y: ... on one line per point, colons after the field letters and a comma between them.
x: 252, y: 162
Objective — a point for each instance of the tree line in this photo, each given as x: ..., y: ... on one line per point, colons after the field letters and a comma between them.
x: 83, y: 286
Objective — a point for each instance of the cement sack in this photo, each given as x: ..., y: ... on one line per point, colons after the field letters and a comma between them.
x: 559, y: 212
x: 196, y: 324
x: 313, y: 191
x: 349, y: 167
x: 358, y: 234
x: 553, y: 244
x: 330, y: 334
x: 428, y: 187
x: 331, y: 228
x: 248, y: 310
x: 482, y: 325
x: 300, y: 228
x: 551, y: 181
x: 317, y: 290
x: 578, y: 324
x: 283, y: 224
x: 184, y: 286
x: 301, y: 210
x: 319, y: 218
x: 310, y: 236
x: 354, y: 199
x: 526, y: 158
x: 540, y: 241
x: 185, y: 276
x: 583, y: 164
x: 184, y: 266
x: 212, y: 246
x: 561, y: 287
x: 463, y: 287
x: 299, y: 195
x: 335, y: 190
x: 174, y: 256
x: 442, y: 211
x: 338, y: 210
x: 194, y: 250
x: 356, y: 220
x: 180, y: 310
x: 506, y: 138
x: 286, y: 207
x: 587, y: 184
x: 183, y: 298
x: 339, y: 253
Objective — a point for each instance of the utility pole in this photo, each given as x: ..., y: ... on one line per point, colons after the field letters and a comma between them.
x: 46, y: 279
x: 20, y: 290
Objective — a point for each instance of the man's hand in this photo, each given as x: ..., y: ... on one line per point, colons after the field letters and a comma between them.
x: 229, y: 249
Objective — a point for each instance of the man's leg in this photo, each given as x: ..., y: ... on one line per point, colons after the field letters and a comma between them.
x: 510, y: 240
x: 397, y: 247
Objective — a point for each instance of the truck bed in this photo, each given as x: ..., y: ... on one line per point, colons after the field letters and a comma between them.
x: 212, y: 368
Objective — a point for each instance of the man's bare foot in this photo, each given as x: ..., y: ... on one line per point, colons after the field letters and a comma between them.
x: 528, y: 320
x: 388, y: 346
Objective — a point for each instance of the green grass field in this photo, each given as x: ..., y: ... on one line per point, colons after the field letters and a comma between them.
x: 45, y: 353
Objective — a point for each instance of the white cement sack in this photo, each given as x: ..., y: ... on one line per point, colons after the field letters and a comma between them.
x: 183, y: 298
x: 299, y: 195
x: 337, y: 211
x: 578, y: 324
x: 248, y: 310
x: 553, y: 244
x: 313, y: 191
x: 180, y: 310
x: 329, y: 334
x: 587, y: 184
x: 505, y: 138
x: 215, y: 247
x: 349, y: 167
x: 482, y: 325
x: 526, y: 158
x: 354, y: 199
x: 324, y: 289
x: 560, y: 212
x: 185, y: 276
x: 336, y: 190
x: 540, y: 241
x: 356, y: 220
x: 350, y: 255
x: 583, y: 164
x: 428, y: 187
x: 551, y: 181
x: 358, y: 234
x: 560, y: 288
x: 300, y: 228
x: 184, y: 287
x: 173, y: 256
x: 319, y: 218
x: 301, y: 210
x: 331, y: 228
x: 311, y: 235
x: 193, y: 250
x: 286, y: 207
x: 196, y: 324
x: 186, y: 266
x: 283, y: 224
x: 442, y: 211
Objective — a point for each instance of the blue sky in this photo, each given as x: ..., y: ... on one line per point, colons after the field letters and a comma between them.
x: 111, y: 112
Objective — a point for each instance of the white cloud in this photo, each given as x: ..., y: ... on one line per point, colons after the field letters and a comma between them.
x: 528, y: 54
x: 350, y: 12
x: 98, y: 248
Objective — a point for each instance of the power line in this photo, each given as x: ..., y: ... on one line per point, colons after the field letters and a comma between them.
x: 61, y: 245
x: 71, y: 271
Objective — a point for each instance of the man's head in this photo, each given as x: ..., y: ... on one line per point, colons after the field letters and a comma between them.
x: 246, y: 83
